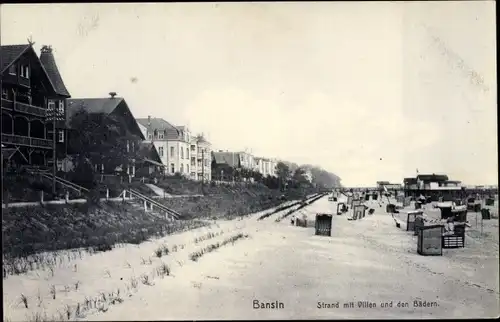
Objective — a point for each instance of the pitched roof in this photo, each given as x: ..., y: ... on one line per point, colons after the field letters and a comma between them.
x: 10, y: 53
x: 97, y: 105
x: 232, y: 159
x: 171, y: 132
x: 148, y: 151
x: 92, y: 105
x: 156, y: 123
x: 49, y: 63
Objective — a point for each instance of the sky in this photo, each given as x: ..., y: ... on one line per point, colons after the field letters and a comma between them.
x: 368, y: 90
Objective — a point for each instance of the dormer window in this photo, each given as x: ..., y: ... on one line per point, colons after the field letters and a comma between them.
x: 25, y: 71
x: 161, y: 135
x: 12, y: 69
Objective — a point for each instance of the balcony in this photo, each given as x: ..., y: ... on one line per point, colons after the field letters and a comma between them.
x: 24, y: 81
x: 24, y: 108
x: 30, y: 109
x: 7, y: 105
x: 26, y: 141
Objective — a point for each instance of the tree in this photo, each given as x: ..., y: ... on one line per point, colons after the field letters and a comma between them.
x: 300, y: 177
x: 283, y: 173
x: 101, y: 139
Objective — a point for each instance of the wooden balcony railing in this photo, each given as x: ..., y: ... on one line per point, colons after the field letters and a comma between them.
x: 6, y: 104
x: 24, y: 81
x: 30, y: 109
x: 26, y: 141
x: 24, y: 108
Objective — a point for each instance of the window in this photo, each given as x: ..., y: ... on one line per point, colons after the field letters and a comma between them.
x: 171, y: 151
x: 150, y: 136
x: 182, y: 153
x: 182, y: 168
x: 160, y: 151
x: 193, y: 175
x: 187, y: 168
x: 187, y: 153
x: 193, y: 161
x: 12, y: 69
x: 52, y: 105
x: 206, y: 162
x: 193, y: 147
x: 172, y: 168
x: 5, y: 93
x: 60, y: 136
x: 61, y: 107
x: 25, y: 71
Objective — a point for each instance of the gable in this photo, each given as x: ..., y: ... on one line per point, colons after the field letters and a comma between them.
x: 12, y: 54
x: 123, y: 111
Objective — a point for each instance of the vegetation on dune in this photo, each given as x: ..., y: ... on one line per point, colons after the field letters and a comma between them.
x: 32, y: 230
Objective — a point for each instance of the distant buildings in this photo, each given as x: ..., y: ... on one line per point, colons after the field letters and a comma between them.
x: 179, y: 150
x: 433, y: 185
x: 267, y: 167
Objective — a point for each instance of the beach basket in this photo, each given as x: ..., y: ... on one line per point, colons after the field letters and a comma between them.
x: 430, y: 241
x: 323, y: 225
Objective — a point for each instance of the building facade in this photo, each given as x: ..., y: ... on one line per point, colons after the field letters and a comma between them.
x: 266, y: 167
x: 247, y: 160
x: 116, y: 112
x: 179, y: 150
x: 201, y: 158
x: 432, y: 185
x: 33, y: 95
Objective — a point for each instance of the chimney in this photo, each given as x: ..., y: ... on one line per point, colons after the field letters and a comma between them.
x: 112, y: 94
x: 46, y: 49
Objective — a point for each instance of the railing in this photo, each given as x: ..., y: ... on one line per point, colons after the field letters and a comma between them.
x: 30, y: 109
x: 24, y: 81
x: 62, y: 181
x: 6, y: 104
x: 26, y: 140
x: 139, y: 195
x: 23, y: 108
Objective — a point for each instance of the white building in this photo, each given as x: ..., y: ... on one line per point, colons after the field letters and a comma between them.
x: 201, y: 158
x: 247, y: 160
x: 176, y: 147
x: 267, y: 167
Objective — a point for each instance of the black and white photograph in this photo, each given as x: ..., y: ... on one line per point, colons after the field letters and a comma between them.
x: 249, y: 160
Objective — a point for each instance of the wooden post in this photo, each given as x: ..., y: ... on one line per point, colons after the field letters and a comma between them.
x: 145, y: 206
x: 41, y: 197
x: 123, y: 195
x: 151, y: 207
x: 129, y: 178
x: 107, y: 194
x: 67, y: 196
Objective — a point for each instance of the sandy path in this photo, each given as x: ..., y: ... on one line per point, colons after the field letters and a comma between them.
x: 368, y: 260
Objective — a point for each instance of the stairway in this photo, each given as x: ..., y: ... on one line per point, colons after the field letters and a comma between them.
x: 63, y: 182
x: 145, y: 199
